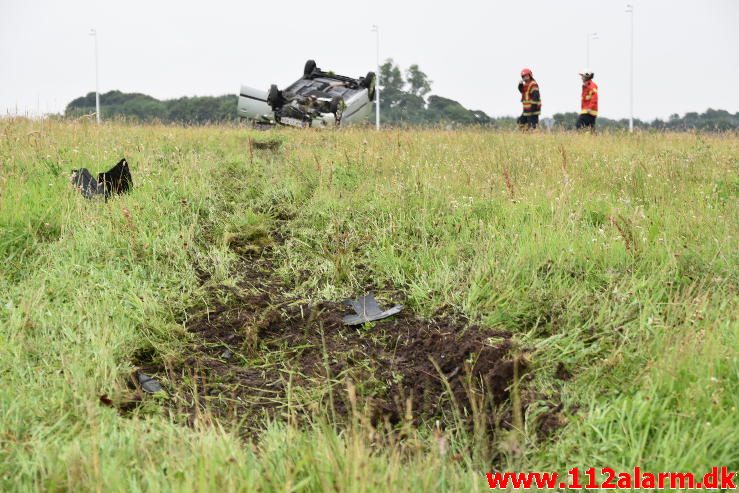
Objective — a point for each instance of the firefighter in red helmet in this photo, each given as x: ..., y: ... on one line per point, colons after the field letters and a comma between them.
x: 531, y: 99
x: 588, y: 102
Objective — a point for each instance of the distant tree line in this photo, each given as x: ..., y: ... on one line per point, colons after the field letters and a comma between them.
x: 140, y: 107
x: 404, y: 99
x: 711, y: 120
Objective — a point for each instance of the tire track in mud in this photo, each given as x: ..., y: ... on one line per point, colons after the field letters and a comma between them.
x: 257, y: 352
x: 265, y: 354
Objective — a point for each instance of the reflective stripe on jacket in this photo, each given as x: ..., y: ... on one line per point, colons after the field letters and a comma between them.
x: 531, y: 98
x: 589, y: 103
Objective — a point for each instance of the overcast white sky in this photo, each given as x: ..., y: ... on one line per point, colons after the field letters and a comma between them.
x: 685, y: 50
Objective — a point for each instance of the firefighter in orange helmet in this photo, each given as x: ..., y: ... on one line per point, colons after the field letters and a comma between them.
x: 531, y: 100
x: 589, y: 101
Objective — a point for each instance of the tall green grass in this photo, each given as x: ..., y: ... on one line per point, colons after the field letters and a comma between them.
x: 613, y: 256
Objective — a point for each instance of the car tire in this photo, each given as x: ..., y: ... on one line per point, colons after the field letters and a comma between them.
x: 274, y: 97
x: 369, y: 83
x: 310, y: 67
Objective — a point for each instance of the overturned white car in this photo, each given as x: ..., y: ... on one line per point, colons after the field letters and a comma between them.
x: 318, y: 99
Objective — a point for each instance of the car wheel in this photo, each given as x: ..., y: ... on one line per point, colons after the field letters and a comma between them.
x: 337, y: 107
x: 274, y: 96
x: 310, y: 66
x: 369, y: 83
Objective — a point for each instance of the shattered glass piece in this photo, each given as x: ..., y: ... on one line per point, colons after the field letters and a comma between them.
x: 367, y: 310
x: 148, y: 384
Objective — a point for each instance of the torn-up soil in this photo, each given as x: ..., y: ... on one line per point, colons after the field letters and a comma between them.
x: 259, y: 353
x: 271, y: 145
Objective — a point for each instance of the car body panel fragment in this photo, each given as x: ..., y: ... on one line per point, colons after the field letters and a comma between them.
x: 367, y: 309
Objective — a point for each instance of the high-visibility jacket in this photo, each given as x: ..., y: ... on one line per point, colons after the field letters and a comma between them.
x: 589, y: 103
x: 530, y: 98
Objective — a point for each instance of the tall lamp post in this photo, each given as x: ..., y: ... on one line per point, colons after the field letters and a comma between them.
x: 587, y: 49
x: 630, y: 10
x: 94, y: 34
x: 376, y: 30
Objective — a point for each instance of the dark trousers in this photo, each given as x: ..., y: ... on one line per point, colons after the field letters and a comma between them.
x: 528, y: 121
x: 585, y: 121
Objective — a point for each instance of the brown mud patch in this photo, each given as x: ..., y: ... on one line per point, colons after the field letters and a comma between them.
x: 256, y: 353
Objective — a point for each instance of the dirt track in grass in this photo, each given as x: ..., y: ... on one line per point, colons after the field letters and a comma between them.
x: 259, y: 353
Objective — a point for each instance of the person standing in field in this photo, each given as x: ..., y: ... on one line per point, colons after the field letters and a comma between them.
x: 531, y: 99
x: 588, y: 102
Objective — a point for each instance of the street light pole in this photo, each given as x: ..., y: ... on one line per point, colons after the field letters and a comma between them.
x: 94, y: 34
x: 376, y: 30
x: 630, y: 10
x: 587, y: 49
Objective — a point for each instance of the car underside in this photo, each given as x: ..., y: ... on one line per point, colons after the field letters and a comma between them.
x: 318, y: 99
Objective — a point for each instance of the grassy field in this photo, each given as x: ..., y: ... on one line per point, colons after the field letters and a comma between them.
x: 609, y: 261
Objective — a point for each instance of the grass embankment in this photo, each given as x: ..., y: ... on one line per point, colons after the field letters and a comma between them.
x: 612, y: 258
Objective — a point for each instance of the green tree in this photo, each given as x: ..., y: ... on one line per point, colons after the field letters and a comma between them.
x: 444, y: 110
x: 419, y: 83
x: 391, y: 93
x: 144, y: 108
x: 391, y: 77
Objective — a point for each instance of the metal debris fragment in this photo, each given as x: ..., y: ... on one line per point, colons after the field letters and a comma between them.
x: 148, y: 384
x: 367, y: 310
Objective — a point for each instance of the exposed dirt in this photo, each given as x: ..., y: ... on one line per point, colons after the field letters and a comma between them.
x: 271, y: 145
x: 551, y: 420
x: 257, y: 352
x: 562, y: 373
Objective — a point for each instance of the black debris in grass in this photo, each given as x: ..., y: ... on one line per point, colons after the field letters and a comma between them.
x: 116, y: 180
